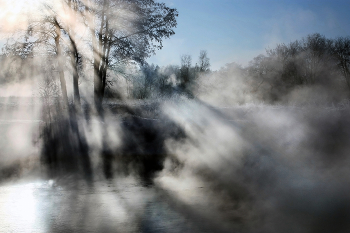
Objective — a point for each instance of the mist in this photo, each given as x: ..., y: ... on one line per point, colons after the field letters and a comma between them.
x: 95, y: 139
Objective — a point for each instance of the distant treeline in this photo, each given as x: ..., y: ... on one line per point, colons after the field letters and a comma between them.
x: 152, y: 81
x: 311, y: 62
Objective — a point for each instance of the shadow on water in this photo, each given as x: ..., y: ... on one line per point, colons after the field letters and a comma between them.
x: 143, y: 144
x: 65, y: 150
x: 141, y: 150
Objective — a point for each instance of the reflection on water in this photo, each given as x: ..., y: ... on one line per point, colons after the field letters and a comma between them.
x: 18, y: 208
x: 123, y: 206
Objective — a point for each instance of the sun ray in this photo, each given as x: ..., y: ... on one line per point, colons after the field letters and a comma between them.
x: 14, y: 15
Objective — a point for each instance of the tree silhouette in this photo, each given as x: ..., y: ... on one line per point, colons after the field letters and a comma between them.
x: 341, y: 52
x: 124, y: 30
x: 203, y: 62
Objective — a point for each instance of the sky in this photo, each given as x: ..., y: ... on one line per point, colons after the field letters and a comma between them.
x: 239, y: 30
x: 235, y: 30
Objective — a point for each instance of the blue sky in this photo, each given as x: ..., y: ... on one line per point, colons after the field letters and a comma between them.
x: 238, y: 30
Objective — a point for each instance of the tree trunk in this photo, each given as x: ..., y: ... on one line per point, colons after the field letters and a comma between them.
x: 98, y: 86
x: 97, y: 73
x: 74, y: 61
x: 100, y: 67
x: 60, y: 65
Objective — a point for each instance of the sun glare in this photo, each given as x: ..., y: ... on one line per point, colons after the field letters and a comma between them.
x: 20, y: 6
x: 18, y: 208
x: 14, y: 14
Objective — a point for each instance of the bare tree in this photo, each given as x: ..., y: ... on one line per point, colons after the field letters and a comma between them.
x: 204, y: 62
x: 341, y: 52
x: 186, y: 61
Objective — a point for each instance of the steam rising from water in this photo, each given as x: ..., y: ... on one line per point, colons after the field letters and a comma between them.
x: 248, y: 167
x: 277, y: 168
